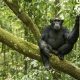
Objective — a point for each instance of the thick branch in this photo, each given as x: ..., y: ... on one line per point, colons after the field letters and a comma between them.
x: 24, y: 47
x: 23, y: 17
x: 31, y: 50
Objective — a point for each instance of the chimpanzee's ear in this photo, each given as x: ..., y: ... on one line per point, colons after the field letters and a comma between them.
x: 51, y: 20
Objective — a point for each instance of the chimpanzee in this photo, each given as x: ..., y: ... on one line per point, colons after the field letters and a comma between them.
x: 57, y: 40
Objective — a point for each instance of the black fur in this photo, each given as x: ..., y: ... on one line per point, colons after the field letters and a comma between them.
x: 58, y: 40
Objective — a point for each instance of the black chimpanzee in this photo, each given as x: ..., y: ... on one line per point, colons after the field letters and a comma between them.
x: 58, y: 40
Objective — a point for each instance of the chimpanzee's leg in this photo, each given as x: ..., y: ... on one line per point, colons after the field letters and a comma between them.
x: 63, y: 50
x: 45, y: 60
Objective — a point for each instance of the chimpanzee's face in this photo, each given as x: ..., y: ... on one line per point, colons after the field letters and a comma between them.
x: 56, y: 24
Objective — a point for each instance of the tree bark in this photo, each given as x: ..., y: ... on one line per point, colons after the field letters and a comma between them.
x: 23, y: 17
x: 31, y: 50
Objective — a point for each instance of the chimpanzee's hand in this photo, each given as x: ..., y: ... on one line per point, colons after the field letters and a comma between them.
x: 55, y: 52
x: 51, y: 50
x: 78, y: 17
x: 49, y: 47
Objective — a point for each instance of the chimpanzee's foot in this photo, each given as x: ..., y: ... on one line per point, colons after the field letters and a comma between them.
x: 47, y: 66
x: 61, y: 57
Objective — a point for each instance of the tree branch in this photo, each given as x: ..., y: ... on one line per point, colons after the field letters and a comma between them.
x: 30, y: 50
x: 23, y: 17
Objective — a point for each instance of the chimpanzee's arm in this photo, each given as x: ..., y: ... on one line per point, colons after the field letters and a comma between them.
x: 71, y: 39
x: 44, y: 47
x: 74, y: 34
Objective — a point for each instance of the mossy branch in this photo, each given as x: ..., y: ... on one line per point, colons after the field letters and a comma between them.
x: 23, y: 17
x: 31, y: 50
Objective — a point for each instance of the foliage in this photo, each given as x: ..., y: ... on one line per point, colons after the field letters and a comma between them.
x: 18, y: 67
